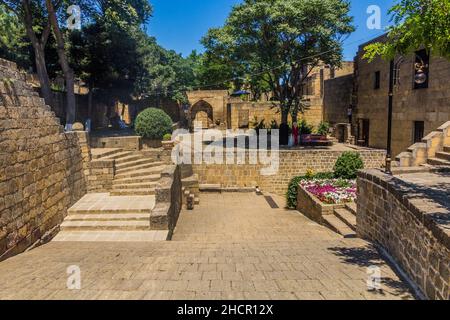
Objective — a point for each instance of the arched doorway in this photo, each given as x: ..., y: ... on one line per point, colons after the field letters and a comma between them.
x: 202, y: 112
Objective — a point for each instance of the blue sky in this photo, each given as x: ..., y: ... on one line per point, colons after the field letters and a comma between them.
x: 180, y: 24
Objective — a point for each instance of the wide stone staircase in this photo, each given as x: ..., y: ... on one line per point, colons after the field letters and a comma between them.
x: 343, y: 220
x: 124, y: 213
x: 135, y: 174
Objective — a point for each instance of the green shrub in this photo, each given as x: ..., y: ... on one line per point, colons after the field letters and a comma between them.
x: 304, y: 127
x: 167, y: 137
x: 323, y: 128
x: 347, y: 165
x: 153, y: 124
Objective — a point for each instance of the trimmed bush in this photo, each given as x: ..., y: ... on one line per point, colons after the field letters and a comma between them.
x: 167, y: 137
x: 153, y: 123
x: 347, y: 165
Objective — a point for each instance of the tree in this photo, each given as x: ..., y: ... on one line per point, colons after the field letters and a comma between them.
x: 281, y: 41
x: 417, y: 23
x: 38, y: 28
x: 14, y: 45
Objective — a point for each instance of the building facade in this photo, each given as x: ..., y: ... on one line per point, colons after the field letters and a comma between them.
x: 421, y: 99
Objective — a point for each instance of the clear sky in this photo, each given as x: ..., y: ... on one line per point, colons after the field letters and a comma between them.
x: 180, y: 24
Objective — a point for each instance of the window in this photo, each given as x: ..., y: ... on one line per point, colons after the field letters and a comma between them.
x: 377, y: 80
x: 421, y: 69
x: 419, y: 130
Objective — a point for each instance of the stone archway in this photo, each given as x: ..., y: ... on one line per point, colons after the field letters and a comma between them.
x: 202, y: 112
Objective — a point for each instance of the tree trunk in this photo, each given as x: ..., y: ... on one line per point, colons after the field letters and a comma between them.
x: 64, y: 63
x: 91, y: 88
x: 42, y: 73
x: 38, y: 48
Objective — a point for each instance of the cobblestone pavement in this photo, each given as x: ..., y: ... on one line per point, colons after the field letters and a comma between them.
x: 232, y: 246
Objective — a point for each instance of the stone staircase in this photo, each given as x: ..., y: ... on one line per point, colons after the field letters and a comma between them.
x: 343, y: 220
x: 434, y: 150
x: 135, y: 175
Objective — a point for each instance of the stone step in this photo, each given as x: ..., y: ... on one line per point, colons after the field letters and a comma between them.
x: 446, y: 148
x: 347, y: 217
x: 210, y: 187
x: 135, y: 163
x: 443, y: 155
x: 135, y: 186
x: 351, y: 207
x: 130, y: 158
x: 119, y: 155
x: 109, y: 217
x: 108, y: 211
x: 139, y: 167
x: 139, y: 173
x: 105, y: 225
x: 141, y: 179
x: 335, y: 224
x: 438, y: 162
x: 112, y: 236
x: 133, y: 192
x: 99, y: 153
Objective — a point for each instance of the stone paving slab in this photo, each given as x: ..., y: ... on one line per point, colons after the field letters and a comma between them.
x: 232, y: 246
x: 103, y: 202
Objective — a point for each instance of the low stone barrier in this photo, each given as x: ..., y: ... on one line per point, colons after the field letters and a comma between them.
x: 292, y: 163
x: 312, y: 207
x: 101, y: 175
x: 168, y: 201
x: 404, y: 221
x: 126, y: 143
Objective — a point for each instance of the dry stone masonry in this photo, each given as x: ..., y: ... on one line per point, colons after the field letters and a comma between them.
x: 41, y: 167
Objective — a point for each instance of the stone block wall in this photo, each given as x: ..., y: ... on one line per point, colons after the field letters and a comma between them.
x: 337, y: 99
x: 393, y: 215
x: 168, y: 200
x: 101, y: 175
x: 292, y: 163
x: 41, y: 167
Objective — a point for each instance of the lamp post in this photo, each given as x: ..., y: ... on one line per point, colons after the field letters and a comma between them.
x: 394, y: 79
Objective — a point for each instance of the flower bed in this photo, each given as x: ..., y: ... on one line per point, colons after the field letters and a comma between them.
x: 331, y: 191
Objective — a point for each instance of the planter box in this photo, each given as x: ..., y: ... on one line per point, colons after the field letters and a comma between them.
x: 312, y: 207
x: 151, y: 144
x: 314, y: 140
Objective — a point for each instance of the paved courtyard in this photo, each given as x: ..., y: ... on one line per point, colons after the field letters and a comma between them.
x: 232, y: 246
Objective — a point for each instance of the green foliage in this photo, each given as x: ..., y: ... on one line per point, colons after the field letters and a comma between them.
x: 277, y: 42
x: 304, y: 127
x: 153, y: 123
x: 417, y: 23
x: 323, y: 128
x: 347, y: 165
x: 14, y: 45
x: 291, y: 194
x: 167, y: 137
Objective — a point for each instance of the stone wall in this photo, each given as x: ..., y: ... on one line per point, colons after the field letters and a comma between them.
x: 292, y: 163
x: 402, y: 221
x: 41, y: 167
x: 430, y: 105
x: 337, y: 99
x: 100, y: 175
x: 168, y: 200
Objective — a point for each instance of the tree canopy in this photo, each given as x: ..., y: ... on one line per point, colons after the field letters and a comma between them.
x: 278, y: 43
x: 417, y: 24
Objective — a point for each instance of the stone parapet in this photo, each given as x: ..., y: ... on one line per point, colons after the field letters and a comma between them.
x: 168, y: 200
x: 410, y: 225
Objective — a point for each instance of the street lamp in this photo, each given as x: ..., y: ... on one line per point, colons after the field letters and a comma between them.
x: 394, y: 79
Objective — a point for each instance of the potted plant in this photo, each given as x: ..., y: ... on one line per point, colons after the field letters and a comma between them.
x: 167, y: 142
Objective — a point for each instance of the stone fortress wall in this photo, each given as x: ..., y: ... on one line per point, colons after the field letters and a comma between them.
x: 41, y: 167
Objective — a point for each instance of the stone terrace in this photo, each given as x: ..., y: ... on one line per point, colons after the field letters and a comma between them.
x: 232, y: 246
